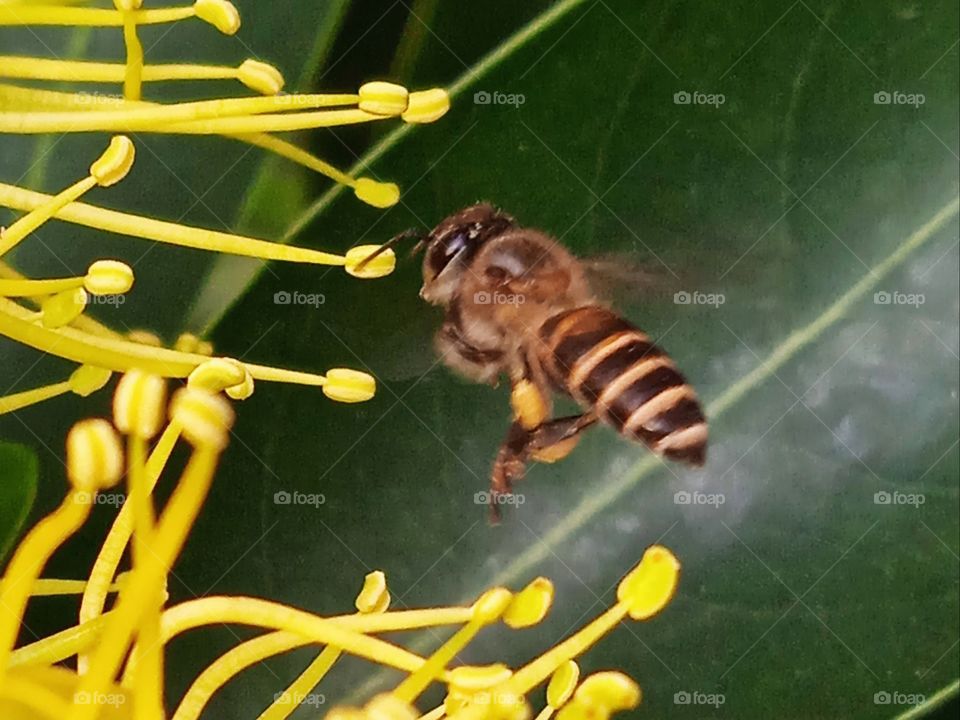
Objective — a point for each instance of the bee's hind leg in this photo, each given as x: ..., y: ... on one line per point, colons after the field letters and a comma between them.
x: 549, y: 442
x: 556, y: 439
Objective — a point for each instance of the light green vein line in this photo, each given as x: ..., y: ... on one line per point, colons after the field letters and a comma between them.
x: 941, y: 697
x: 592, y: 505
x: 486, y: 65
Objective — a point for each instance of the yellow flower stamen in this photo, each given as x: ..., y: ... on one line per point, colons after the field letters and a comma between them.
x: 107, y: 170
x: 47, y: 587
x: 560, y: 688
x: 357, y: 263
x: 486, y: 610
x: 63, y: 308
x: 219, y: 13
x: 258, y: 76
x: 94, y: 461
x: 157, y: 230
x: 373, y: 598
x: 641, y: 594
x: 223, y: 375
x: 60, y: 646
x: 205, y: 419
x: 84, y: 381
x: 530, y: 605
x: 108, y: 559
x: 600, y: 695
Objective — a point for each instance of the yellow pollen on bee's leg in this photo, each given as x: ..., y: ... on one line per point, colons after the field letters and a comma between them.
x: 529, y: 405
x: 557, y: 451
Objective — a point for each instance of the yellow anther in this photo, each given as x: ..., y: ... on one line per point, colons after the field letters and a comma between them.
x: 425, y: 106
x: 115, y: 163
x: 145, y: 337
x: 206, y: 419
x: 609, y: 690
x: 562, y: 684
x: 382, y: 264
x: 205, y: 347
x: 383, y: 98
x: 223, y: 375
x: 87, y: 379
x: 139, y: 403
x: 349, y: 386
x: 219, y: 13
x: 468, y: 679
x: 94, y: 455
x: 387, y: 706
x: 491, y: 605
x: 108, y: 277
x: 530, y: 605
x: 375, y: 193
x: 63, y: 308
x: 260, y: 77
x: 186, y: 342
x: 650, y: 585
x: 374, y: 597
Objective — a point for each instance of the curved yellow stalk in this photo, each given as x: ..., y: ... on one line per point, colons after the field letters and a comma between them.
x: 27, y: 562
x: 133, y: 74
x: 147, y: 580
x: 30, y: 68
x: 60, y: 646
x: 164, y: 232
x: 33, y: 288
x: 111, y: 551
x: 88, y: 17
x: 20, y: 400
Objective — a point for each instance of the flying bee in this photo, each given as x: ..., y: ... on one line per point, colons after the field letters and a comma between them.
x: 518, y: 304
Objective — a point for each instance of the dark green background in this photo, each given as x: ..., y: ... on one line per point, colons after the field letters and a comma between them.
x: 687, y: 190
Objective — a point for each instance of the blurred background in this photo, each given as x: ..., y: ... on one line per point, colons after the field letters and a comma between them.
x: 763, y: 160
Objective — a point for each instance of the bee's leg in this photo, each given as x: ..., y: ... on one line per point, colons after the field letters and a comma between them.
x: 556, y: 439
x: 509, y: 466
x: 549, y: 442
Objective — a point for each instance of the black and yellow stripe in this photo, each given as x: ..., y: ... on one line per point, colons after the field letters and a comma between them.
x: 607, y: 364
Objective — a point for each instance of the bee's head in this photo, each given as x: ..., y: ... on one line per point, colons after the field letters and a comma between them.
x: 452, y: 244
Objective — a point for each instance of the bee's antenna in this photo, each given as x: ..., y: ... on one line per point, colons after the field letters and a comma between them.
x: 409, y: 234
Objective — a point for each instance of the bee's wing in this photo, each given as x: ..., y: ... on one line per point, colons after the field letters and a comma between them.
x: 628, y: 278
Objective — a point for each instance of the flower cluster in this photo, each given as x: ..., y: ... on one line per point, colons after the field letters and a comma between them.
x: 120, y: 651
x: 49, y: 314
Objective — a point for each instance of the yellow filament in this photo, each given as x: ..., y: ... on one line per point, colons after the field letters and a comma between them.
x: 108, y: 559
x: 28, y: 68
x: 28, y: 560
x: 60, y: 646
x: 161, y: 231
x: 133, y: 76
x: 36, y: 288
x: 17, y: 401
x: 41, y: 212
x: 88, y: 17
x: 46, y: 587
x: 147, y: 580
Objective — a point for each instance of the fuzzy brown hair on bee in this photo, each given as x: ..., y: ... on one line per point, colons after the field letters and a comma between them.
x: 518, y: 304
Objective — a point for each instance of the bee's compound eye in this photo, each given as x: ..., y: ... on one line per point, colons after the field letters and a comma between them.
x: 444, y: 251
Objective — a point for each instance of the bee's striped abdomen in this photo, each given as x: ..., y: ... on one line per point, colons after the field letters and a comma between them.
x: 607, y: 364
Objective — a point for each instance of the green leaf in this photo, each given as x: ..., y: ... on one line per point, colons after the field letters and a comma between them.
x: 798, y: 198
x: 18, y: 487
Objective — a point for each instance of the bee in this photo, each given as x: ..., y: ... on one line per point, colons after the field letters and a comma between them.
x: 518, y: 304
